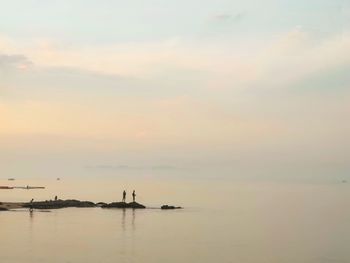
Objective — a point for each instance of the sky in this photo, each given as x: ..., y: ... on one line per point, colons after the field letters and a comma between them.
x: 202, y: 89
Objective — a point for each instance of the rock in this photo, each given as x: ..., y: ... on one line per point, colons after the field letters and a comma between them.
x: 3, y: 209
x: 100, y: 204
x: 133, y: 205
x: 166, y: 207
x: 59, y: 204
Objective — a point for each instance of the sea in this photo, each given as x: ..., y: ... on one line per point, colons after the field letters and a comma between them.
x: 222, y: 221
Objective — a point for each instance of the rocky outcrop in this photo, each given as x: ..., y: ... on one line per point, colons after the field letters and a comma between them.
x: 133, y: 205
x: 59, y: 204
x: 56, y: 204
x: 167, y: 207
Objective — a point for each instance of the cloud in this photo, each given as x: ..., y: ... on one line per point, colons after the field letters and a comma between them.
x: 14, y: 61
x: 131, y: 167
x: 278, y: 61
x: 183, y: 67
x: 226, y: 17
x: 297, y: 56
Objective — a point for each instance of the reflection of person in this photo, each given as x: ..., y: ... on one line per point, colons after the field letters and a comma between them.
x: 133, y: 196
x: 124, y: 196
x: 31, y: 206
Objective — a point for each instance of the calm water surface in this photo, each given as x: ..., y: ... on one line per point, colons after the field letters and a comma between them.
x: 222, y: 222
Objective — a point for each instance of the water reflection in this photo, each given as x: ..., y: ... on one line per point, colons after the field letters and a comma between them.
x: 127, y: 233
x: 123, y: 219
x: 31, y: 215
x: 133, y: 231
x: 133, y: 219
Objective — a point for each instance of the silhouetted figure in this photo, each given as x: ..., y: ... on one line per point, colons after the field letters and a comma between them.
x: 133, y: 196
x: 124, y: 196
x: 31, y: 206
x: 56, y: 198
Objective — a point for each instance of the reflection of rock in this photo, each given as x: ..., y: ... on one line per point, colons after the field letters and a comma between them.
x: 165, y: 207
x: 123, y: 205
x: 3, y: 208
x: 59, y: 204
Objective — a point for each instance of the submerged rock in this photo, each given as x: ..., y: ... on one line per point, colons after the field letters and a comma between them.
x: 165, y: 207
x: 59, y: 204
x: 133, y: 205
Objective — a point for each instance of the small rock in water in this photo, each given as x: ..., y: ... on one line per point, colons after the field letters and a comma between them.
x: 164, y: 207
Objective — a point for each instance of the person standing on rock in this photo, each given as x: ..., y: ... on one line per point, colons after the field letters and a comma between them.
x: 133, y: 196
x: 124, y: 196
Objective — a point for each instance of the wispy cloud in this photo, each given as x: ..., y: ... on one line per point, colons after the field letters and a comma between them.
x: 228, y: 17
x: 132, y: 167
x: 14, y: 61
x: 275, y: 62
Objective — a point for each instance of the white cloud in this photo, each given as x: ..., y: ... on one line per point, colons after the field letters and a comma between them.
x: 14, y: 61
x: 228, y: 17
x: 296, y: 56
x: 277, y: 62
